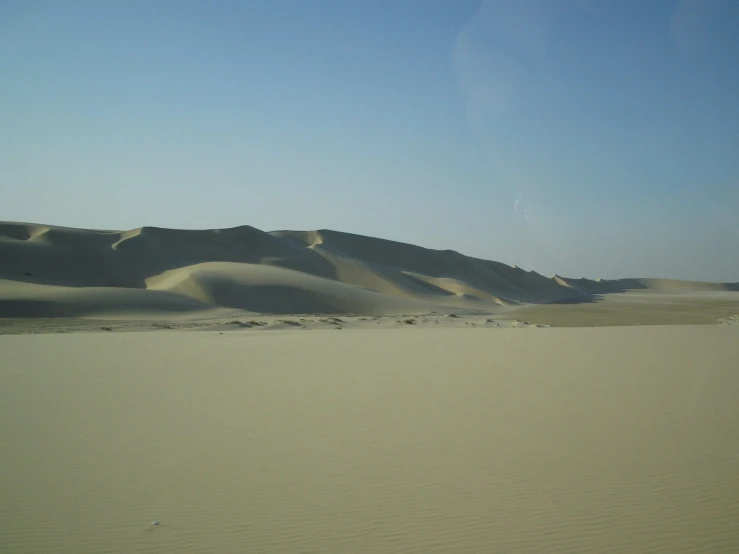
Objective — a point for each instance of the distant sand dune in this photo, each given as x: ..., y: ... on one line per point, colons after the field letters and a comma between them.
x: 49, y: 271
x: 672, y: 284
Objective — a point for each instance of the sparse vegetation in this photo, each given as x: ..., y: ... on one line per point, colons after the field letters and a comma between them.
x: 409, y: 321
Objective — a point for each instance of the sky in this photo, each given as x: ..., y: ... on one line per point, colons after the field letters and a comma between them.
x: 578, y: 137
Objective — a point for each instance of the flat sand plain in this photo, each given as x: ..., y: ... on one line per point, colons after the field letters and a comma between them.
x: 406, y: 439
x: 635, y: 308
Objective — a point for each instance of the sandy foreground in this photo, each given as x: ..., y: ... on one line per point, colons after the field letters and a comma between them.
x: 407, y: 439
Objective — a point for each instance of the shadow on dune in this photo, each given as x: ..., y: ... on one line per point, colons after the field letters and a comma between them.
x: 81, y: 303
x: 588, y: 299
x: 32, y: 308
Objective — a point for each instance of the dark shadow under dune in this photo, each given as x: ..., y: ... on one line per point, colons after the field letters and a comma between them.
x: 587, y: 299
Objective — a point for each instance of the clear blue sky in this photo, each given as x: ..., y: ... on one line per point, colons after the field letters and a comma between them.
x: 596, y: 138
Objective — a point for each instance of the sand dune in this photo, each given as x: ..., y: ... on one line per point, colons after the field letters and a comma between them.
x: 398, y: 441
x: 270, y: 289
x: 672, y: 284
x: 49, y: 271
x: 34, y: 300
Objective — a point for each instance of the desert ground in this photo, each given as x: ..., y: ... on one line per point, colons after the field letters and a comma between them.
x: 171, y: 391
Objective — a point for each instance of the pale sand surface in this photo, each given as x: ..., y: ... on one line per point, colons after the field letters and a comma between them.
x: 423, y: 440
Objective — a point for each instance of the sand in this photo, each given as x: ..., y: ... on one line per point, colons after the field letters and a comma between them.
x: 465, y: 406
x: 650, y: 307
x: 621, y: 439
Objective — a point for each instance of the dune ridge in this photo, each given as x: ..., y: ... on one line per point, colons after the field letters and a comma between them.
x: 50, y: 271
